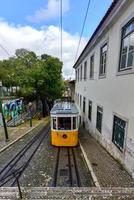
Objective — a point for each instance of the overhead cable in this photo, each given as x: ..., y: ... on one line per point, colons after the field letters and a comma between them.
x: 5, y: 50
x: 82, y: 29
x: 81, y: 33
x: 61, y: 26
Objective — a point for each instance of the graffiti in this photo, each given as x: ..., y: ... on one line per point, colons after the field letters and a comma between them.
x: 12, y: 109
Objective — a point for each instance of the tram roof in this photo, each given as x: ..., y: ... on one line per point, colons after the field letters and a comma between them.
x: 64, y: 108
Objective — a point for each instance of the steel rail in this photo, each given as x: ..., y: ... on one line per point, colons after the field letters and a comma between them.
x: 19, y: 155
x: 10, y: 174
x: 28, y: 161
x: 16, y: 159
x: 70, y: 168
x: 10, y: 177
x: 76, y: 169
x: 56, y: 168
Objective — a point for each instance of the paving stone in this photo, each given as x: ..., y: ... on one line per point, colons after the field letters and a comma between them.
x: 68, y: 193
x: 108, y: 171
x: 115, y: 182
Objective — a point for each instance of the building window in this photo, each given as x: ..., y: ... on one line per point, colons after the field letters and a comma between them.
x: 78, y: 75
x: 90, y: 110
x: 85, y: 70
x: 99, y: 118
x: 103, y: 60
x: 81, y: 73
x: 127, y: 47
x: 84, y: 104
x: 91, y: 75
x: 119, y: 129
x: 80, y: 120
x: 80, y: 101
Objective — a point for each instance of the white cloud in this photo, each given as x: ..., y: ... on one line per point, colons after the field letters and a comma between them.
x: 46, y: 40
x: 51, y: 11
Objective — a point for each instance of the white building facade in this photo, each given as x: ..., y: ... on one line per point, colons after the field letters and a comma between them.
x: 104, y: 90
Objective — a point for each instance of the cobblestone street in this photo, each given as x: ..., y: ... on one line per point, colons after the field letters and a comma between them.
x: 40, y: 170
x: 108, y: 171
x: 115, y: 183
x: 8, y: 153
x: 67, y: 193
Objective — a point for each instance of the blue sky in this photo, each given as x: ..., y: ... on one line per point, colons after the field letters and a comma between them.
x: 40, y: 20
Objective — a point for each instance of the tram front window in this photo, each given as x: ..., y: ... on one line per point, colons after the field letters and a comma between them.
x: 64, y: 123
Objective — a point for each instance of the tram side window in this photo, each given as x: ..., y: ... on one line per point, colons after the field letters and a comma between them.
x: 54, y: 123
x: 64, y: 123
x: 74, y: 122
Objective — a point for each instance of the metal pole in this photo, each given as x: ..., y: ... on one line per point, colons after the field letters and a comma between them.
x: 5, y: 127
x: 3, y: 118
x: 30, y: 119
x: 18, y: 185
x: 30, y: 112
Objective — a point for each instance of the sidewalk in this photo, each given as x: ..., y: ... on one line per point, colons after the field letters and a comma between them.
x: 108, y: 171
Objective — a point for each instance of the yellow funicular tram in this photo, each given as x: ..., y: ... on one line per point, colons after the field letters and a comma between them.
x: 64, y: 124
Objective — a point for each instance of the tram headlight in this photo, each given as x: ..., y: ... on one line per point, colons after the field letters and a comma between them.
x: 64, y: 136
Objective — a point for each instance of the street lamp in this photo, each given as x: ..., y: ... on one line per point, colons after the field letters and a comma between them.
x: 3, y: 118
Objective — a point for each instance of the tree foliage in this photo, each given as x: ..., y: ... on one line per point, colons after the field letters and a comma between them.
x: 36, y: 77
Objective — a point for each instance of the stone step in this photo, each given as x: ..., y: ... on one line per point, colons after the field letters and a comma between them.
x: 68, y: 193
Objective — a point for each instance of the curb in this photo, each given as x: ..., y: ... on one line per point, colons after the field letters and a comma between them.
x: 95, y: 180
x: 6, y: 147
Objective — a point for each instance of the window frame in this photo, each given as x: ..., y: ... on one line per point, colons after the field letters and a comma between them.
x: 85, y: 70
x: 101, y: 108
x: 91, y: 77
x: 125, y: 132
x: 90, y: 104
x: 78, y: 74
x: 126, y: 69
x: 102, y: 54
x: 81, y: 73
x: 84, y: 105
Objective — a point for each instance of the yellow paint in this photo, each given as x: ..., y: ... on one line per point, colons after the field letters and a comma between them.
x: 57, y: 138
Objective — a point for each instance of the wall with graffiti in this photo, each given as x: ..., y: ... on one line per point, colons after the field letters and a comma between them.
x: 12, y: 108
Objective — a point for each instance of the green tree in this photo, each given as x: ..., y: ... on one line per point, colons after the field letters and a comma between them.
x: 37, y: 77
